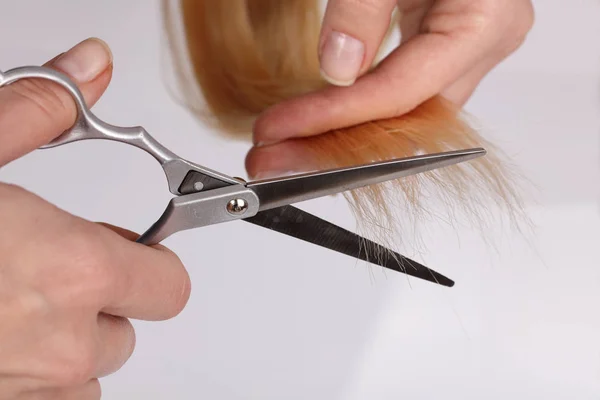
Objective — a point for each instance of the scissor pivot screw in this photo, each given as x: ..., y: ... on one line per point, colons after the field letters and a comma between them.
x: 237, y: 206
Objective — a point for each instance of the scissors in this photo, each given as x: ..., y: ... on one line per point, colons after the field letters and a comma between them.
x: 204, y: 197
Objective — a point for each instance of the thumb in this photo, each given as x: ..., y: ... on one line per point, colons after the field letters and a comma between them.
x: 351, y: 36
x: 35, y: 111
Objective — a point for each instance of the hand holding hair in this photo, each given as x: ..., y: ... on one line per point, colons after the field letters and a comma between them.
x: 257, y: 67
x: 67, y: 285
x: 447, y: 48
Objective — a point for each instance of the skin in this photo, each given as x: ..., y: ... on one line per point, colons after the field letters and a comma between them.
x: 448, y: 47
x: 67, y: 285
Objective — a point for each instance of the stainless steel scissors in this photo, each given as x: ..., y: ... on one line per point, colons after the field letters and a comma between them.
x: 205, y: 197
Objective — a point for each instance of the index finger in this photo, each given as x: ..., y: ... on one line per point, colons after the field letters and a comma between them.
x: 152, y: 283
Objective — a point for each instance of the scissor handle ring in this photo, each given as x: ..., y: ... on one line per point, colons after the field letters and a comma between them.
x: 88, y: 126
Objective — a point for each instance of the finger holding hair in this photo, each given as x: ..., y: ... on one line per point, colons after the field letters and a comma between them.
x: 457, y: 43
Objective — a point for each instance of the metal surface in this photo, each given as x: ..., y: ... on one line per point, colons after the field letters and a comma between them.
x: 88, y: 126
x: 302, y: 225
x: 237, y: 206
x: 296, y: 188
x: 208, y: 197
x: 200, y: 209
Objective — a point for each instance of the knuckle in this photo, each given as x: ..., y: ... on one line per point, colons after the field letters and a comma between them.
x: 509, y: 19
x: 521, y: 20
x: 50, y: 100
x: 481, y: 18
x: 501, y: 26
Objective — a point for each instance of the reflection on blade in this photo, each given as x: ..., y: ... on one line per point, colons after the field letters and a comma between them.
x: 296, y: 188
x: 302, y: 225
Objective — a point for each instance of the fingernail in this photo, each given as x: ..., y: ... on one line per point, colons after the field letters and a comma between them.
x: 273, y: 174
x: 341, y: 59
x: 85, y: 61
x: 264, y: 143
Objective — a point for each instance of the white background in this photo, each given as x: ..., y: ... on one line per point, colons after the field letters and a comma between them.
x: 274, y: 318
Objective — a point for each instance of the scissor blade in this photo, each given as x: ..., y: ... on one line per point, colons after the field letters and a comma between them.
x: 305, y: 226
x: 296, y: 188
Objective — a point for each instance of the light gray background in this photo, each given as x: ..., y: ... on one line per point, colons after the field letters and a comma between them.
x: 273, y: 318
